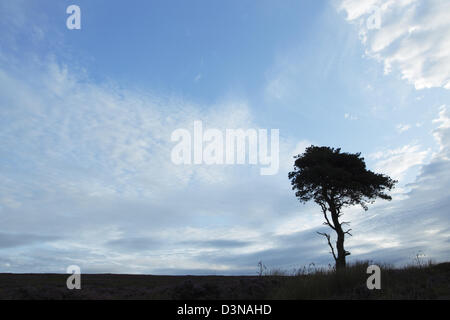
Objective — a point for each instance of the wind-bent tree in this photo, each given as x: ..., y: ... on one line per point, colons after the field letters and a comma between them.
x: 335, y: 180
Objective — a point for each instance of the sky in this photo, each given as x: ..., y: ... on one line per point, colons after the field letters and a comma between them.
x: 86, y: 117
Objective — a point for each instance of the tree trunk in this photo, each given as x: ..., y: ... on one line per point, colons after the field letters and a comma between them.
x: 341, y: 253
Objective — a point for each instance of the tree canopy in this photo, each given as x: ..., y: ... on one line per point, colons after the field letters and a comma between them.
x: 322, y: 173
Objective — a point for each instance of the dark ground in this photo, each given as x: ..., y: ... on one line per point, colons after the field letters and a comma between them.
x: 418, y: 282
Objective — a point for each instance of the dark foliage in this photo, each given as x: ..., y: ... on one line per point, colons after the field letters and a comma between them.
x: 324, y: 173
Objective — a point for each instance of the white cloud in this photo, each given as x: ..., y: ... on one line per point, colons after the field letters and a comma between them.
x: 90, y: 163
x: 398, y: 161
x: 414, y: 37
x: 122, y: 136
x: 350, y: 116
x: 442, y: 133
x: 403, y: 127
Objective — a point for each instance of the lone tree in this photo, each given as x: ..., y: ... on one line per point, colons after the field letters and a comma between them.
x: 335, y: 180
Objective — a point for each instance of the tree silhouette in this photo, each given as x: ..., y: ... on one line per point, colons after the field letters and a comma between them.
x: 335, y: 180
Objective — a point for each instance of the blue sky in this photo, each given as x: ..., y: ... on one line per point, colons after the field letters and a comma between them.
x: 86, y: 118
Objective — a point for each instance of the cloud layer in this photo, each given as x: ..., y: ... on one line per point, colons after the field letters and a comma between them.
x: 413, y: 37
x: 87, y: 179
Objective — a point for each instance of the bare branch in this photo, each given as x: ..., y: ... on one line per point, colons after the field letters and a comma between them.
x: 326, y: 235
x: 323, y: 206
x: 328, y: 223
x: 348, y: 232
